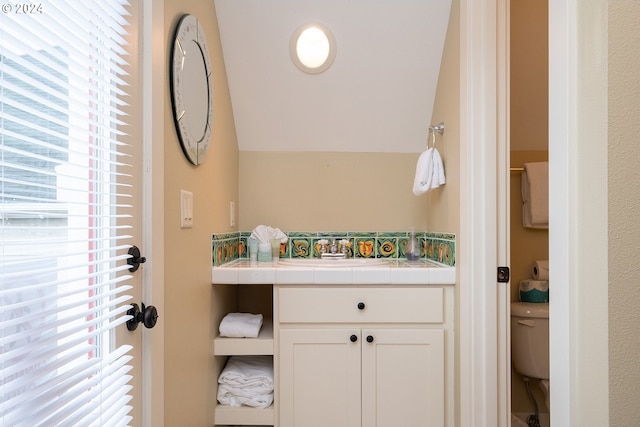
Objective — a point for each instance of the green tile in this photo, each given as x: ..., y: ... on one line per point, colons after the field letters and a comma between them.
x: 300, y: 247
x: 387, y: 246
x: 365, y: 247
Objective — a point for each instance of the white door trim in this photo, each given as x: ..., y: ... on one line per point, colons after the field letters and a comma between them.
x: 154, y: 80
x: 478, y: 311
x: 578, y: 221
x: 503, y: 235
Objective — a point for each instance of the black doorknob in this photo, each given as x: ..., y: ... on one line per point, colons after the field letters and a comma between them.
x: 148, y: 316
x: 353, y: 338
x: 136, y: 258
x: 361, y: 306
x: 369, y: 338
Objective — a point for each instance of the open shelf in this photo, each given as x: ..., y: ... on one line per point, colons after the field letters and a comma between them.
x: 243, y: 415
x: 261, y: 345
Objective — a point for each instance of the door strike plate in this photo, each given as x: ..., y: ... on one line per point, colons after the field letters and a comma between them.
x: 503, y: 274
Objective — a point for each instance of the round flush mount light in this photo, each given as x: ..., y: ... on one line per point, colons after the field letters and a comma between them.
x: 312, y: 48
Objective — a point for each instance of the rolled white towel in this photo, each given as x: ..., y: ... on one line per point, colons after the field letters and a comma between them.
x: 241, y: 325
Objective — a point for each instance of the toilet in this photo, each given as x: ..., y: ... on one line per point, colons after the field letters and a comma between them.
x: 530, y: 342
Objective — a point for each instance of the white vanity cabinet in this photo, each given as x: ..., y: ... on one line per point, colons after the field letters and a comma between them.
x: 364, y: 356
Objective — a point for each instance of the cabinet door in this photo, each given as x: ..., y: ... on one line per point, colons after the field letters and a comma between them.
x: 320, y: 378
x: 403, y: 378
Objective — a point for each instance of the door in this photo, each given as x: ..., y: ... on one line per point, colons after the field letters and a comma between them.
x: 403, y: 378
x: 320, y: 377
x: 72, y: 184
x: 147, y: 85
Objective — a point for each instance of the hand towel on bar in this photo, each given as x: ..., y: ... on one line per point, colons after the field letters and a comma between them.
x: 241, y: 325
x: 438, y: 170
x: 429, y: 172
x: 535, y: 195
x: 247, y: 380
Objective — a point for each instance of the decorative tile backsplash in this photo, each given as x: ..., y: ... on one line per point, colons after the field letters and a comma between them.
x: 440, y: 247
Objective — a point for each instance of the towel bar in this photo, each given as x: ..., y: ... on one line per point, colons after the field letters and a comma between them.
x: 433, y: 129
x: 437, y: 128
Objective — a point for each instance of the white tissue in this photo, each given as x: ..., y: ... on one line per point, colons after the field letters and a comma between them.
x: 264, y: 234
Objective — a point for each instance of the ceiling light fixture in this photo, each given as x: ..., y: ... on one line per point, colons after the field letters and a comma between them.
x: 312, y: 48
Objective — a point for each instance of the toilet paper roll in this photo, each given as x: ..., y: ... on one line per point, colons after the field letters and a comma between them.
x: 534, y: 291
x: 540, y: 270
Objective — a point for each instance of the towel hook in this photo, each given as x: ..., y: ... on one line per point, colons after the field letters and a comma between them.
x: 439, y: 128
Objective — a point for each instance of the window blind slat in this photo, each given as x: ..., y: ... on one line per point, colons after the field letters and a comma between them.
x: 61, y: 322
x: 66, y: 339
x: 75, y: 397
x: 66, y: 176
x: 72, y: 367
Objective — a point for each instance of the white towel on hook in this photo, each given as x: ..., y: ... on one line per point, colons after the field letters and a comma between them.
x: 429, y: 172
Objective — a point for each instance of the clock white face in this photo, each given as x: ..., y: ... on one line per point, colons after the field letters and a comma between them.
x: 192, y: 89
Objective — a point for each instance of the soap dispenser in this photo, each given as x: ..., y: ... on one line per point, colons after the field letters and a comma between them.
x: 412, y: 251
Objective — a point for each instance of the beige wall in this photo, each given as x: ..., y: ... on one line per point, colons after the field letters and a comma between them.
x: 191, y: 305
x: 443, y: 204
x: 323, y: 191
x: 529, y: 75
x: 624, y: 201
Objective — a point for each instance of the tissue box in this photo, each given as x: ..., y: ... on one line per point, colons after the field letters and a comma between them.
x: 534, y: 291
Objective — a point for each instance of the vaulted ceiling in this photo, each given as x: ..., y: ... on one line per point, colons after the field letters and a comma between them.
x: 376, y: 97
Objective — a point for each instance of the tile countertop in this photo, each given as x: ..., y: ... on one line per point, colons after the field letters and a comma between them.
x: 393, y: 272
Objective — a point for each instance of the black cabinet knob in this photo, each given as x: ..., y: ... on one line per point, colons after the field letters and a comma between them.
x: 353, y: 338
x: 361, y: 306
x: 369, y: 338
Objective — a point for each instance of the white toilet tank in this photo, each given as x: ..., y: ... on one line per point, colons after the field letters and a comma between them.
x: 530, y: 339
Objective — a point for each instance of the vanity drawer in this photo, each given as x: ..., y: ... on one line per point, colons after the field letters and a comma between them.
x: 360, y: 304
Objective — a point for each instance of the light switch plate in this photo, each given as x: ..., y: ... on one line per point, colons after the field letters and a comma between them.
x: 186, y: 209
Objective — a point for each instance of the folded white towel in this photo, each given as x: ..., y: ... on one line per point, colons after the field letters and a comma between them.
x: 248, y: 371
x: 535, y: 195
x: 237, y: 397
x: 241, y: 325
x: 429, y: 172
x: 265, y: 233
x: 247, y: 380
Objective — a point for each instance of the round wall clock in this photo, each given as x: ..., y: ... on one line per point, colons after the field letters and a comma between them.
x: 192, y: 89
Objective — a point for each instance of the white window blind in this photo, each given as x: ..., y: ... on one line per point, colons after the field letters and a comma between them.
x: 64, y: 213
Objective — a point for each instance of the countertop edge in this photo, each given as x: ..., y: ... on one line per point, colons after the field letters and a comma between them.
x: 242, y: 272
